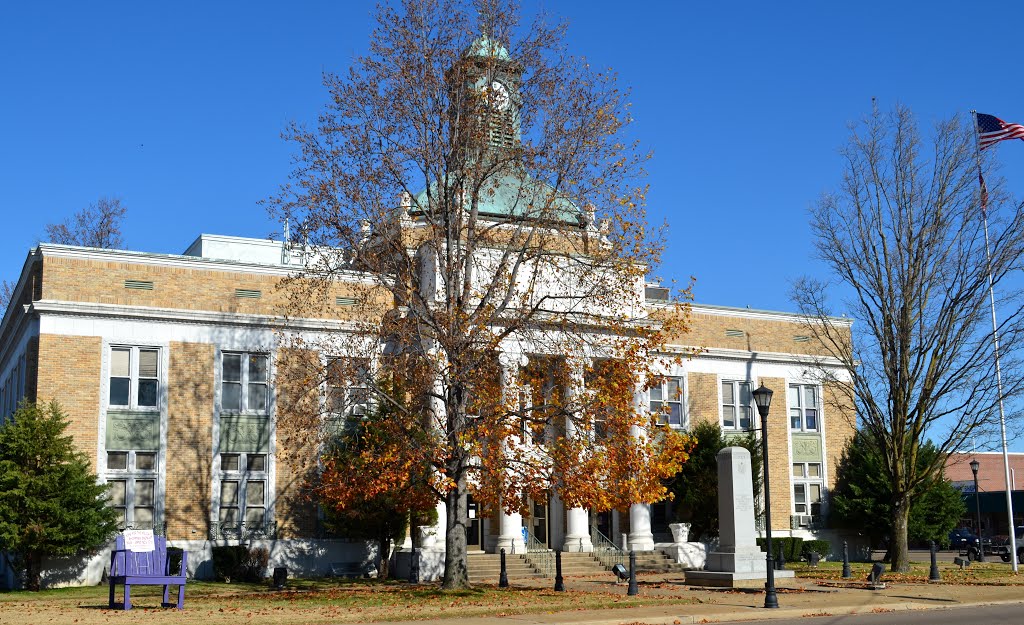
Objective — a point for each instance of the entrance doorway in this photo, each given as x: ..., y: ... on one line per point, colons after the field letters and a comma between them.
x: 474, y: 531
x: 538, y: 522
x: 603, y: 522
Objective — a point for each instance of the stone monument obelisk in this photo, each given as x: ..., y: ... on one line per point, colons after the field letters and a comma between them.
x: 737, y: 561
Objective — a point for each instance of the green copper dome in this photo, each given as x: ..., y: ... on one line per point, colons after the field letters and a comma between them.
x: 513, y: 197
x: 485, y: 47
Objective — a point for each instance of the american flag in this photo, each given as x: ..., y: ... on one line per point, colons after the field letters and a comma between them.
x: 992, y: 130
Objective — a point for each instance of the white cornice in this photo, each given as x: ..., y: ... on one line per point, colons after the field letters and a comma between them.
x: 83, y: 309
x: 178, y: 261
x: 721, y: 353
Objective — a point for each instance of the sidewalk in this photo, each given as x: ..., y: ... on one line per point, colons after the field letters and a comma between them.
x: 798, y: 598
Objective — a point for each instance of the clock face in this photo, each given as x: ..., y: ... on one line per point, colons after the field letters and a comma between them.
x: 499, y: 96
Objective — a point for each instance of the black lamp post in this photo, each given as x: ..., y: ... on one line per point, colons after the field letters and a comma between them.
x: 763, y: 399
x: 975, y: 465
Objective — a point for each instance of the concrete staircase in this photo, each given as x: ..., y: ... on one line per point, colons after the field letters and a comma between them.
x: 575, y: 563
x: 654, y: 562
x: 486, y: 567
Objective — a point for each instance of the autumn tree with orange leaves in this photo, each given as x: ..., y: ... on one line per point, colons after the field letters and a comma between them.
x: 468, y: 217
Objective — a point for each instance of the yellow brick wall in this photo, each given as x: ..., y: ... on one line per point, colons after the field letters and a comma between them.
x: 84, y: 280
x: 295, y: 456
x: 778, y: 454
x: 69, y: 372
x: 703, y: 398
x: 295, y: 514
x: 840, y: 423
x: 190, y: 386
x: 708, y: 329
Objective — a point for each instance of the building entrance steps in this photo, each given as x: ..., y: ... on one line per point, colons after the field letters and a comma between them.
x: 655, y: 562
x: 577, y: 563
x: 487, y: 567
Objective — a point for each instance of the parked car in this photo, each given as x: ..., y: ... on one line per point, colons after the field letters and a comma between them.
x: 977, y: 548
x: 1001, y: 545
x: 961, y: 538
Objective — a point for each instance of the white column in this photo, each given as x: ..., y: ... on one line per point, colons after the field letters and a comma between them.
x: 577, y: 520
x: 510, y: 526
x: 439, y: 424
x: 640, y: 536
x: 510, y: 537
x: 556, y: 521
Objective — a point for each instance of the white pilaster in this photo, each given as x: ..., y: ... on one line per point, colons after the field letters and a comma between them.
x: 641, y: 538
x: 510, y: 526
x: 510, y: 537
x: 442, y: 524
x: 577, y: 520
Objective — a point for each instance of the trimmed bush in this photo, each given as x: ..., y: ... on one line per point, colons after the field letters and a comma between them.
x: 239, y: 563
x: 791, y: 547
x: 823, y: 547
x: 174, y: 555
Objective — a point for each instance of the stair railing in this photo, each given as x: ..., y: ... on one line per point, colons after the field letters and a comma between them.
x: 538, y: 554
x: 606, y: 552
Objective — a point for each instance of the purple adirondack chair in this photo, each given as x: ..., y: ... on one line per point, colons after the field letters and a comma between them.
x: 148, y: 568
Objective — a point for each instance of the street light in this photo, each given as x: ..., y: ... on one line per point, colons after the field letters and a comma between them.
x: 763, y: 399
x: 975, y: 465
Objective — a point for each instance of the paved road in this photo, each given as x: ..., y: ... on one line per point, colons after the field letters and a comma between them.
x: 981, y: 615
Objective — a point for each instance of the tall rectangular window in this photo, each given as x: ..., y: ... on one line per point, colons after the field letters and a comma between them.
x: 244, y: 382
x: 243, y: 492
x: 348, y: 392
x: 132, y: 476
x: 804, y: 408
x: 134, y: 377
x: 808, y: 487
x: 736, y: 401
x: 667, y: 402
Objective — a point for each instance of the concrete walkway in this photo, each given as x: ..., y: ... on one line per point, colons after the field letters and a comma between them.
x: 799, y: 598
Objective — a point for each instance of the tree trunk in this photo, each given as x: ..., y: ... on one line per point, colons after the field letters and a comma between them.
x: 456, y: 574
x: 384, y: 551
x: 33, y: 570
x: 898, y: 542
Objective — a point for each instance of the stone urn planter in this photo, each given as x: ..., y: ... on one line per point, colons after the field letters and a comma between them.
x: 680, y: 532
x: 428, y: 536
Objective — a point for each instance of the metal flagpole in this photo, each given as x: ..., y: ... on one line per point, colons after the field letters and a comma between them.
x: 995, y: 340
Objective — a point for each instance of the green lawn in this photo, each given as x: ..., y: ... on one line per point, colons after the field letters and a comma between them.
x: 996, y: 573
x: 316, y: 601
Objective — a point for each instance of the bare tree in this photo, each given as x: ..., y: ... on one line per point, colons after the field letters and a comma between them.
x: 473, y: 188
x: 6, y: 293
x: 904, y: 236
x: 97, y: 225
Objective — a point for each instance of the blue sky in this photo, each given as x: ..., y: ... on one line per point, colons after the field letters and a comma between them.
x: 177, y: 108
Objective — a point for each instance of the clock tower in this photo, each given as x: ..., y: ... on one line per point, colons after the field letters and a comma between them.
x: 485, y: 84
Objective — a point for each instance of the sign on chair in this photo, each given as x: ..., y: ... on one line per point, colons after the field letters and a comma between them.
x: 139, y: 540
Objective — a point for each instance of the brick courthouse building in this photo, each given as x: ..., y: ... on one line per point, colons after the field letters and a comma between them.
x: 165, y: 365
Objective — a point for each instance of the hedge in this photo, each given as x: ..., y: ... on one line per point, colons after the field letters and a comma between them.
x: 239, y: 563
x: 791, y: 547
x: 823, y: 547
